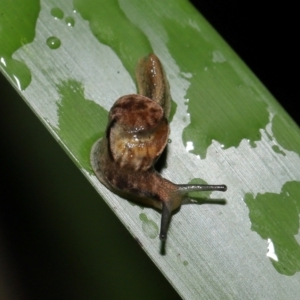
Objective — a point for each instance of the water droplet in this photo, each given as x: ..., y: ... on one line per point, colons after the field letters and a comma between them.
x: 17, y: 71
x: 169, y: 141
x: 218, y: 57
x: 149, y: 227
x: 57, y: 13
x: 70, y: 21
x: 53, y: 42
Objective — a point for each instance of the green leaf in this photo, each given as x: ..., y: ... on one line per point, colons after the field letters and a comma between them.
x: 226, y: 128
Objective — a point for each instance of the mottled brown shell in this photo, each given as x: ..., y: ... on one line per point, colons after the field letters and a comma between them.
x: 137, y: 132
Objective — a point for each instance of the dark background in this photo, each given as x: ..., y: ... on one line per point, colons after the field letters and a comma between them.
x: 265, y: 34
x: 37, y: 263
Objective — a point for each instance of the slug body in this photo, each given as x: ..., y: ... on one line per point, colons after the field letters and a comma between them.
x: 136, y: 135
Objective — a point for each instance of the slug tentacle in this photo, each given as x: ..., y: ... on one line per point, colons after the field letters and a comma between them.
x: 186, y: 188
x: 166, y: 215
x: 136, y: 135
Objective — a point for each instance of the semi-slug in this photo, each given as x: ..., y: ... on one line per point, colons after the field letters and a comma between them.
x: 136, y: 135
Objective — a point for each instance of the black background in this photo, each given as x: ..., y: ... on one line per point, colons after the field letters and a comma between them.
x: 265, y: 34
